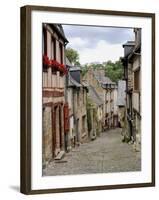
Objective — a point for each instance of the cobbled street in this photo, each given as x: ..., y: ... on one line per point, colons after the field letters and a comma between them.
x: 105, y: 154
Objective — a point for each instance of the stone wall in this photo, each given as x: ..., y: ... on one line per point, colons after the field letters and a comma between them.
x: 47, y: 136
x: 137, y: 129
x: 78, y: 115
x: 130, y: 77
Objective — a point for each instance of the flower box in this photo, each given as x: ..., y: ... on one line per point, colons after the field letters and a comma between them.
x: 56, y: 66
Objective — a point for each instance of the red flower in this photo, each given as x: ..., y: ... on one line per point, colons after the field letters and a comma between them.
x: 55, y: 64
x: 45, y: 60
x: 63, y: 69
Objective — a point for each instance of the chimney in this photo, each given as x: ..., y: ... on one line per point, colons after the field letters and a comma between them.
x: 128, y: 46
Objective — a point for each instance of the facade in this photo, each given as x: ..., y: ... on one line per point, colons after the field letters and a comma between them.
x: 96, y: 97
x: 132, y: 69
x: 107, y: 91
x: 53, y: 92
x: 94, y: 113
x: 121, y: 103
x: 110, y: 104
x: 76, y: 95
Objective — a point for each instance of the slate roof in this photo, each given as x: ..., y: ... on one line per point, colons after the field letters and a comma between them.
x: 72, y: 82
x: 75, y: 69
x: 128, y: 48
x: 93, y: 95
x: 129, y: 43
x: 102, y: 78
x: 59, y: 30
x: 72, y: 67
x: 74, y: 72
x: 137, y: 49
x: 68, y: 63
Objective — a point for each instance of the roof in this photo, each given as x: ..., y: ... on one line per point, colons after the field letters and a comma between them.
x: 84, y: 83
x: 59, y: 30
x: 102, y: 79
x: 136, y: 50
x: 128, y: 48
x: 93, y: 95
x: 72, y: 82
x: 75, y: 69
x: 129, y: 43
x: 68, y: 63
x: 107, y: 80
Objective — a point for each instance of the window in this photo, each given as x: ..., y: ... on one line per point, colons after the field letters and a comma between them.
x: 53, y: 48
x: 61, y: 53
x: 137, y: 80
x: 44, y: 47
x: 44, y: 41
x: 53, y: 52
x: 44, y: 51
x: 83, y: 123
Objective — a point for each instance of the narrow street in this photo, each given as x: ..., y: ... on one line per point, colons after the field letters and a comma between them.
x: 105, y: 154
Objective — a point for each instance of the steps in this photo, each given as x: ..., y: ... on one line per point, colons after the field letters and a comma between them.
x: 60, y: 155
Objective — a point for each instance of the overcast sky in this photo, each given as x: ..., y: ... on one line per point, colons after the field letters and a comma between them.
x: 97, y: 44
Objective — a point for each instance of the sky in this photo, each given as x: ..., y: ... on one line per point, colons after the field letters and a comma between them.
x: 97, y: 44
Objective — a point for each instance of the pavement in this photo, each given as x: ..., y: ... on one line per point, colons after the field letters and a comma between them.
x: 104, y: 155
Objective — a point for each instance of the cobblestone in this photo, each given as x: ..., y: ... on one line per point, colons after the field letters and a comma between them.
x: 104, y: 155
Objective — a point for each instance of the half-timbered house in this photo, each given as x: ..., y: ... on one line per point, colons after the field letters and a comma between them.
x: 55, y: 109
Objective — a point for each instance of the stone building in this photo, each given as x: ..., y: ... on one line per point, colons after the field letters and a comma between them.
x: 132, y: 72
x: 107, y: 91
x: 96, y: 90
x: 110, y: 103
x: 55, y: 112
x: 94, y: 113
x: 76, y: 95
